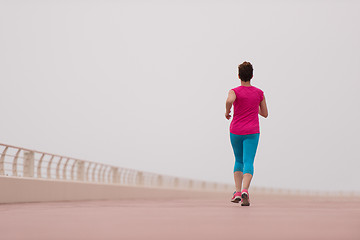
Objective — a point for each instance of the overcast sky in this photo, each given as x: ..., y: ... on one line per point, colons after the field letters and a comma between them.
x: 143, y: 84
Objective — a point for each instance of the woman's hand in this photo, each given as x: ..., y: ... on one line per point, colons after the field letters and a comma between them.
x: 227, y: 115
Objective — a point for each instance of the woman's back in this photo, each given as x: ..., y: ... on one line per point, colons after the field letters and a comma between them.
x: 246, y: 109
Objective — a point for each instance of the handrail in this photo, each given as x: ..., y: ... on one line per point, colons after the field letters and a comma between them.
x: 37, y: 164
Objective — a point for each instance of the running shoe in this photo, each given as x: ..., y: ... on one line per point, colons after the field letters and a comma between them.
x: 236, y: 197
x: 245, y: 199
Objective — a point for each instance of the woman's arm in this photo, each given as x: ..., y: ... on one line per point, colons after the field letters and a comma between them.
x: 229, y: 102
x: 263, y: 111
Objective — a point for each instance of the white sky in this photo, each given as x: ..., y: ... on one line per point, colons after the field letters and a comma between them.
x: 142, y: 84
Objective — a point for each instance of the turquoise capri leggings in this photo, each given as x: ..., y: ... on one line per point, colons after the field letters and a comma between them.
x: 244, y: 147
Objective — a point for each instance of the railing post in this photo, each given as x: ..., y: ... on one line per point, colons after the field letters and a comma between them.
x: 65, y: 169
x: 159, y: 181
x: 72, y: 170
x: 93, y: 172
x: 58, y: 168
x: 2, y: 159
x: 99, y: 173
x: 122, y: 176
x: 48, y: 170
x: 191, y: 184
x: 87, y: 172
x: 103, y: 174
x: 139, y: 178
x: 39, y: 165
x: 28, y: 164
x: 176, y: 183
x: 80, y: 170
x: 14, y: 165
x: 114, y: 175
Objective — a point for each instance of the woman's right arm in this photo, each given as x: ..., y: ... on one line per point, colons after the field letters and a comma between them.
x: 263, y: 111
x: 229, y: 102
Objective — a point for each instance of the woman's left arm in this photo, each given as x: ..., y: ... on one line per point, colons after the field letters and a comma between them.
x: 263, y: 111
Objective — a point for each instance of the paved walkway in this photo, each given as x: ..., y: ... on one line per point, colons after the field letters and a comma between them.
x: 268, y: 218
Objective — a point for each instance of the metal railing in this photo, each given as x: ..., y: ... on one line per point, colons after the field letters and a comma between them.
x: 22, y: 162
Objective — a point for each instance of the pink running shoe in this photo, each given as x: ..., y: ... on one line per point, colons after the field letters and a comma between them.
x: 236, y: 197
x: 245, y: 199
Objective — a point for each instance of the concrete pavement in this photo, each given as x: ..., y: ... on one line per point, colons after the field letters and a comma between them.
x: 268, y: 217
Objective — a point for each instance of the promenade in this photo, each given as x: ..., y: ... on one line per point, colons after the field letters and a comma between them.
x: 268, y: 217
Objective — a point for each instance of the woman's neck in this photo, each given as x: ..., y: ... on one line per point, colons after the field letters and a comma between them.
x: 245, y: 84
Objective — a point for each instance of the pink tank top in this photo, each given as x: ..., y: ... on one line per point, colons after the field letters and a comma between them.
x: 245, y: 110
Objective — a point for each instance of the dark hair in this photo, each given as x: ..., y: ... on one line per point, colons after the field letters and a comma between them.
x: 245, y: 71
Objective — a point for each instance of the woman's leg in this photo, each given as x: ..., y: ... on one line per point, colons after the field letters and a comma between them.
x: 238, y: 177
x: 237, y: 145
x: 247, y: 180
x: 250, y: 146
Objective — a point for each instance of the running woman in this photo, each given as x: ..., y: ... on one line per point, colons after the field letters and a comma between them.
x: 248, y: 102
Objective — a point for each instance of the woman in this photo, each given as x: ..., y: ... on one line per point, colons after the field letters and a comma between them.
x: 248, y: 102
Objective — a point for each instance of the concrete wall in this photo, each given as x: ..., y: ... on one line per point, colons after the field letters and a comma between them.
x: 14, y: 189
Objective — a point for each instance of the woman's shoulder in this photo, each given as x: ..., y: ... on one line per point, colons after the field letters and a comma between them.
x: 258, y: 89
x: 253, y: 88
x: 247, y: 87
x: 236, y: 88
